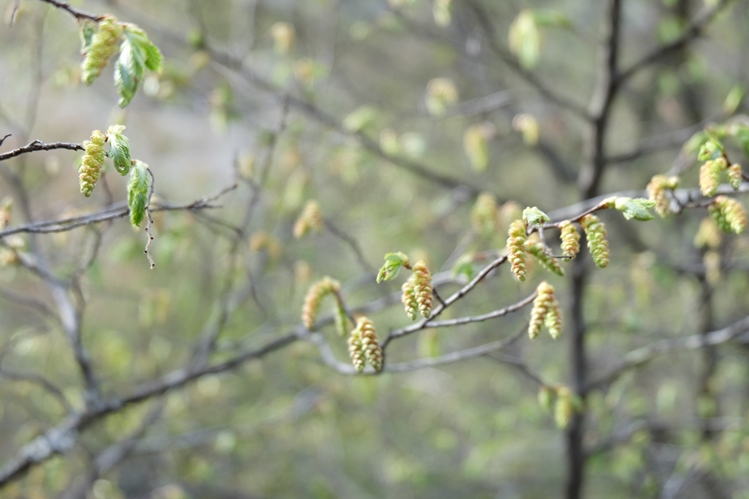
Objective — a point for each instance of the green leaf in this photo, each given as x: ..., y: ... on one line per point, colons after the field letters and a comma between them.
x: 137, y: 192
x: 119, y: 149
x: 137, y: 53
x: 712, y: 149
x: 638, y: 208
x: 392, y: 266
x: 464, y: 266
x: 534, y: 216
x: 125, y: 82
x: 88, y: 30
x: 525, y: 39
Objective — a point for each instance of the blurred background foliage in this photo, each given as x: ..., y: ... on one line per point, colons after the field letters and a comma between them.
x: 431, y: 84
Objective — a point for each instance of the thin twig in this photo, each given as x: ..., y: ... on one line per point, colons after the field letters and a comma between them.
x: 78, y: 14
x: 38, y: 145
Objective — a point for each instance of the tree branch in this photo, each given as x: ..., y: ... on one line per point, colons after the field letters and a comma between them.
x: 645, y: 354
x: 38, y: 145
x: 692, y: 31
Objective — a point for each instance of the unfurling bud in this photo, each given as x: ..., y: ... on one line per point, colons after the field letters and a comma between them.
x: 570, y: 239
x: 408, y: 298
x: 92, y: 162
x: 549, y: 263
x: 314, y: 298
x: 598, y: 246
x: 729, y: 214
x: 657, y: 190
x: 544, y: 305
x: 422, y: 286
x: 710, y: 175
x: 310, y: 220
x: 370, y: 344
x: 103, y: 47
x: 516, y: 248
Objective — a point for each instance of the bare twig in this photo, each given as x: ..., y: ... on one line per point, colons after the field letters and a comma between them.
x: 38, y: 145
x: 78, y: 14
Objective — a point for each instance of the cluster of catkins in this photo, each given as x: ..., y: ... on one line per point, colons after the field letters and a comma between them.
x: 519, y: 246
x: 417, y: 292
x: 545, y: 312
x: 364, y: 347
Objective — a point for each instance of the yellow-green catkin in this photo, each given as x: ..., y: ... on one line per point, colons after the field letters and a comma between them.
x: 658, y: 188
x: 710, y: 175
x: 598, y: 245
x: 314, y: 298
x: 516, y: 239
x: 735, y: 176
x: 553, y: 321
x: 729, y: 214
x: 485, y: 215
x: 408, y: 298
x: 310, y: 220
x: 92, y: 163
x: 537, y: 250
x: 564, y: 407
x: 356, y: 350
x: 570, y: 239
x: 543, y: 302
x: 341, y: 319
x: 370, y: 343
x: 422, y: 285
x: 103, y: 47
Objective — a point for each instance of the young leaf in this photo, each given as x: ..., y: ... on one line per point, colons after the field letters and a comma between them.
x: 464, y: 266
x: 137, y: 192
x: 137, y: 53
x: 391, y: 267
x: 119, y: 149
x: 534, y: 216
x: 88, y: 30
x: 712, y: 149
x: 638, y: 208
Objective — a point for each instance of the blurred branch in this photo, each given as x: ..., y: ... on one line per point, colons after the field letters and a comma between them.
x: 111, y: 457
x: 692, y: 31
x: 63, y: 437
x: 39, y: 380
x: 645, y: 354
x: 511, y: 61
x: 38, y: 145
